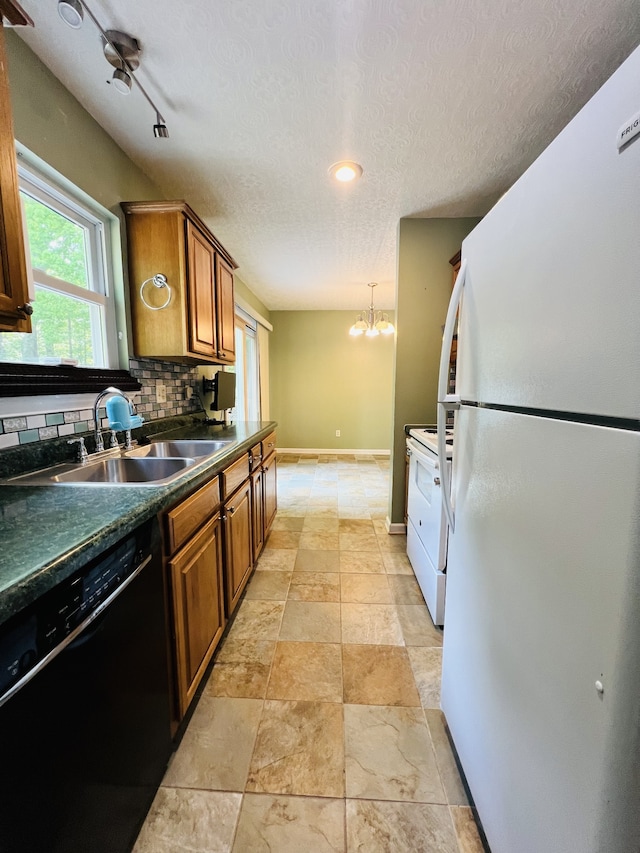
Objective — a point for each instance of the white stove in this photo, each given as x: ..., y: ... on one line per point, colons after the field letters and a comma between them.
x: 429, y: 438
x: 427, y: 527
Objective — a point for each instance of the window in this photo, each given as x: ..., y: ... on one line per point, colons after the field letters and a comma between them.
x: 247, y: 384
x: 73, y: 317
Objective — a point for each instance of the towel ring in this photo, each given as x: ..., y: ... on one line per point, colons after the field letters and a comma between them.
x: 158, y: 280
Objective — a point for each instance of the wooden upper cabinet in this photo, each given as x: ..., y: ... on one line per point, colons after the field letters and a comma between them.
x: 197, y: 325
x: 15, y: 310
x: 201, y: 261
x: 455, y: 262
x: 225, y: 311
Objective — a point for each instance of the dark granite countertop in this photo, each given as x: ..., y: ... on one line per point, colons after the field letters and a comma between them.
x: 47, y: 532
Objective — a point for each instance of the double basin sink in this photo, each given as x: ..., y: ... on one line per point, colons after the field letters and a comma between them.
x: 154, y: 464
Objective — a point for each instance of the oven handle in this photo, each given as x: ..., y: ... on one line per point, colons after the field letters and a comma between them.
x: 414, y: 448
x: 448, y: 402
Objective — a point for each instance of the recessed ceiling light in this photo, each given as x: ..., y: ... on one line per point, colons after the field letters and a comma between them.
x: 345, y: 171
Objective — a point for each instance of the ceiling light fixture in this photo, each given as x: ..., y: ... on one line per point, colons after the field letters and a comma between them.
x: 71, y: 12
x: 120, y: 50
x: 371, y: 322
x: 346, y: 171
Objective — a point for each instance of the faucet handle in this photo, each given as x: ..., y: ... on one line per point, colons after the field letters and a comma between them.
x: 82, y: 450
x: 113, y: 439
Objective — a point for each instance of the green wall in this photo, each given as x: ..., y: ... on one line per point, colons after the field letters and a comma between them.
x: 423, y: 290
x: 52, y: 124
x: 249, y: 296
x: 323, y: 379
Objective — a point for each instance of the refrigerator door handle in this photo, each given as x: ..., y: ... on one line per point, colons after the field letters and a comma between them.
x: 448, y: 402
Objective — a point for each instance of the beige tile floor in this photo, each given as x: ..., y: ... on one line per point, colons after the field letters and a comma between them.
x: 319, y: 728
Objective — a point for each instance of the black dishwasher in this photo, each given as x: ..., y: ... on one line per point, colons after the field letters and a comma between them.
x: 85, y: 707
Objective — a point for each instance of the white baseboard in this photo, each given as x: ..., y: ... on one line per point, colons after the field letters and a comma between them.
x: 396, y: 527
x: 316, y: 451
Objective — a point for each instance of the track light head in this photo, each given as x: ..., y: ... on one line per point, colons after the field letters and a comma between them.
x: 121, y: 81
x: 71, y: 12
x: 160, y: 130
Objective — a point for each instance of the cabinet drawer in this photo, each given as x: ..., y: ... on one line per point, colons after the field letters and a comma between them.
x: 234, y: 475
x: 255, y: 456
x: 189, y: 516
x: 268, y: 445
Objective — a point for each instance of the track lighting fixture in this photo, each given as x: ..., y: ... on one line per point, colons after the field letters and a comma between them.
x: 71, y: 12
x: 120, y: 50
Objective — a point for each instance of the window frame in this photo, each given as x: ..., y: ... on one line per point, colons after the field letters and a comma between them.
x: 20, y: 379
x: 246, y: 326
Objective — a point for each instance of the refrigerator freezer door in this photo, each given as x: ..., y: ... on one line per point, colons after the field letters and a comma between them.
x: 551, y: 301
x: 543, y: 603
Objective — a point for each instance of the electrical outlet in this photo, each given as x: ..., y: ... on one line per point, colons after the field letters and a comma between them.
x: 337, y: 433
x: 161, y: 392
x: 188, y: 392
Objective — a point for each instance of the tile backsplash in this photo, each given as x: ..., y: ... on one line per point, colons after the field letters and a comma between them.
x: 176, y: 378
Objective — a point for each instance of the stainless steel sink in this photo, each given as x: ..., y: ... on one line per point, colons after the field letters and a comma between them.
x: 115, y: 471
x: 182, y: 448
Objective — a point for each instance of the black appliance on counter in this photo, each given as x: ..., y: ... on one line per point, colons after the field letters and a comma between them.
x: 85, y: 706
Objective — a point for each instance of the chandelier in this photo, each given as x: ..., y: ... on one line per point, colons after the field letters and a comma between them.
x: 371, y: 322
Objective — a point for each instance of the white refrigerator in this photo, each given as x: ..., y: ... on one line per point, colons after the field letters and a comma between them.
x: 541, y: 660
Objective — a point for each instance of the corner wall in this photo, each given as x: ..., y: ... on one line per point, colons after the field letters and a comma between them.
x: 423, y: 290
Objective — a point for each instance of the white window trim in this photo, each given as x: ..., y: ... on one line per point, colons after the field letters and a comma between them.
x: 247, y: 312
x: 47, y: 186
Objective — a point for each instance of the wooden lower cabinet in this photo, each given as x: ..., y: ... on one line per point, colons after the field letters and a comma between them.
x: 212, y: 540
x: 270, y: 491
x: 257, y: 512
x: 237, y: 544
x: 199, y: 620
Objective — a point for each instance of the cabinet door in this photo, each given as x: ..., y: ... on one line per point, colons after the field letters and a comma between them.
x: 257, y: 512
x: 225, y: 312
x: 270, y: 489
x: 196, y: 578
x: 200, y: 286
x: 237, y: 544
x: 14, y: 290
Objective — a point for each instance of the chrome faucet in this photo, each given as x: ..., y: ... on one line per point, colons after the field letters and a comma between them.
x: 110, y: 392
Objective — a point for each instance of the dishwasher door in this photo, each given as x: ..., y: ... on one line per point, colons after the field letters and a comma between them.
x: 85, y: 743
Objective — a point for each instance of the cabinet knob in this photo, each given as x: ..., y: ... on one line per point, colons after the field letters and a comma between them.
x: 231, y: 510
x: 25, y: 309
x: 436, y: 480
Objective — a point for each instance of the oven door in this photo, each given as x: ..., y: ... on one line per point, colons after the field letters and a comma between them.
x: 427, y: 527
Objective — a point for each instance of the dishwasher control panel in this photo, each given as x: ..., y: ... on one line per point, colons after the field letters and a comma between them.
x: 33, y: 634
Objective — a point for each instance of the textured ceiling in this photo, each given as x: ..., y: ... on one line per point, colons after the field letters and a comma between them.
x: 443, y: 102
